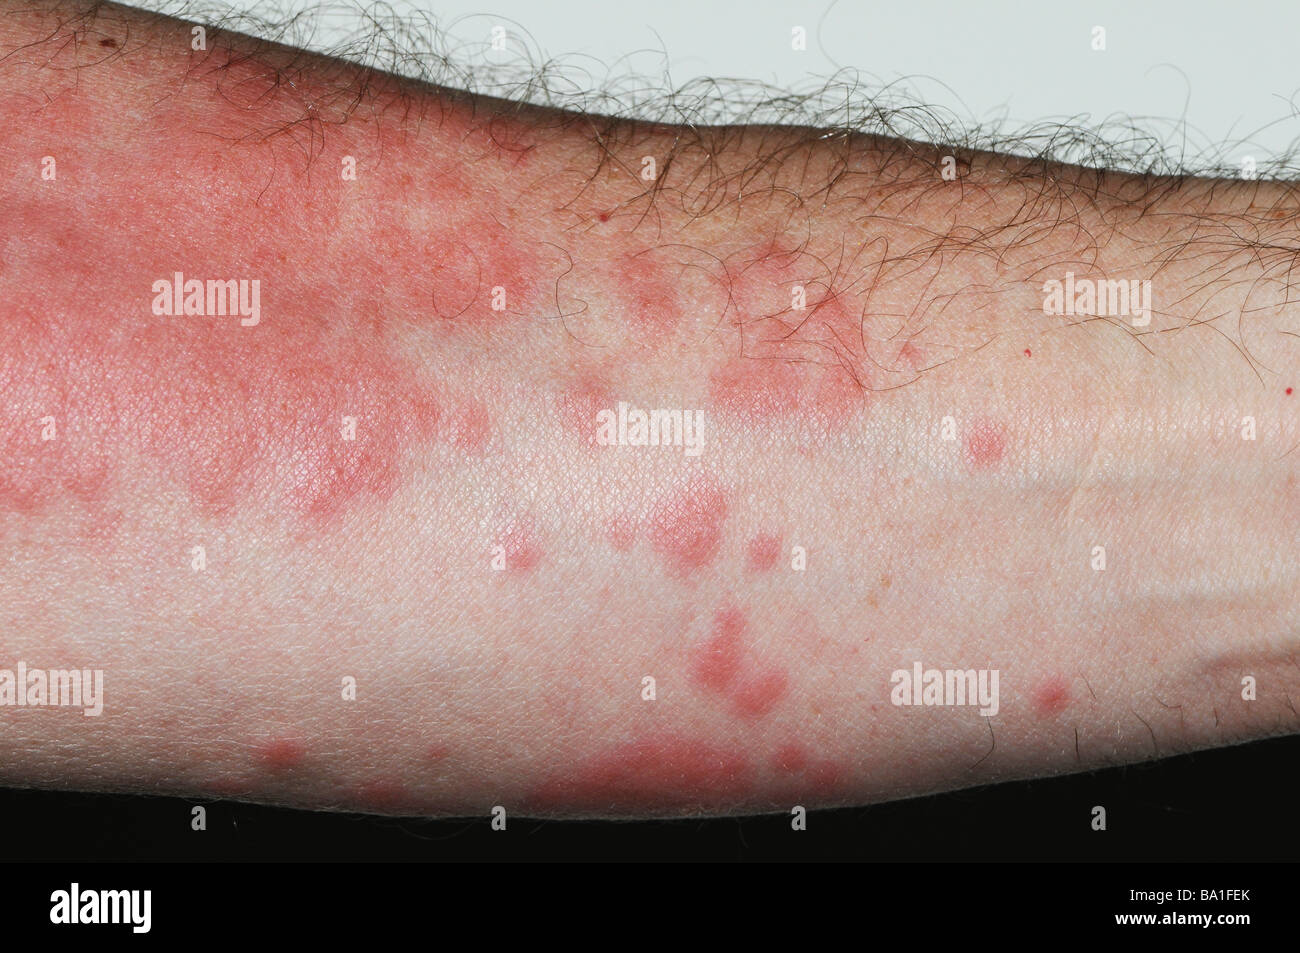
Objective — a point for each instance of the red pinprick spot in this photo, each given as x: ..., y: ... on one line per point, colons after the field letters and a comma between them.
x: 1052, y: 696
x: 763, y: 552
x: 985, y: 445
x: 686, y: 527
x: 758, y: 693
x: 717, y: 662
x: 1027, y: 353
x: 281, y: 754
x: 603, y: 216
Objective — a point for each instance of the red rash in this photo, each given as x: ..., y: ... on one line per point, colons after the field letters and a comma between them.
x: 649, y: 300
x: 723, y: 665
x: 717, y: 662
x: 621, y: 533
x: 468, y: 427
x: 225, y: 412
x: 468, y: 272
x: 204, y: 408
x: 386, y: 797
x: 986, y: 445
x: 581, y: 402
x: 1052, y: 696
x: 804, y: 775
x: 763, y: 391
x: 651, y: 776
x: 790, y: 758
x: 763, y: 552
x: 522, y: 551
x: 793, y: 358
x: 281, y: 754
x: 760, y: 692
x: 686, y: 526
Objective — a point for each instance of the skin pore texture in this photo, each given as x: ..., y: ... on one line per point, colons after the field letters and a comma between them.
x: 386, y: 540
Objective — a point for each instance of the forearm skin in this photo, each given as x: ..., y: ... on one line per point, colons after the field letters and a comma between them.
x: 497, y: 581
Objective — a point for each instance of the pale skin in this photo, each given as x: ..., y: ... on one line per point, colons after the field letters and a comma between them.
x: 914, y: 463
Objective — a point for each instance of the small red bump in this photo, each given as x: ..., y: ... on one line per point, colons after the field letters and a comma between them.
x: 686, y: 527
x: 717, y: 662
x: 1027, y: 353
x: 759, y: 693
x: 281, y: 754
x: 1052, y: 697
x: 986, y: 445
x: 1288, y: 391
x: 763, y: 552
x: 603, y: 216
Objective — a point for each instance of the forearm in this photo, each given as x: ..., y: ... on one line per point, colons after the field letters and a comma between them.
x: 827, y: 535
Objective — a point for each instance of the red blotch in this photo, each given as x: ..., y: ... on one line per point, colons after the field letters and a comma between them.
x: 910, y: 353
x: 385, y: 797
x: 1052, y: 696
x: 686, y: 527
x: 650, y: 776
x: 717, y: 662
x: 522, y: 551
x: 762, y: 391
x: 467, y: 262
x: 281, y: 754
x: 437, y: 752
x: 621, y: 532
x: 763, y: 552
x: 986, y: 445
x: 189, y: 401
x: 580, y: 403
x: 759, y: 692
x: 469, y: 427
x: 649, y: 299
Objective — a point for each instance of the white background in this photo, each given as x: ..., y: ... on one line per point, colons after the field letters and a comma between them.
x: 1206, y: 79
